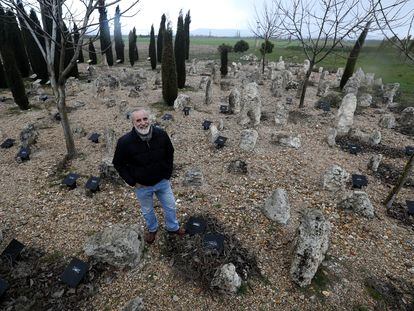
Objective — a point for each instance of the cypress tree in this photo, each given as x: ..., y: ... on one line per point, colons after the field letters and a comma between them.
x: 3, y: 82
x: 131, y: 47
x: 187, y: 22
x: 76, y: 38
x: 168, y: 71
x: 39, y: 65
x: 353, y: 56
x: 160, y: 39
x: 8, y: 54
x: 105, y: 36
x: 92, y: 53
x: 36, y: 58
x: 17, y: 45
x: 136, y: 56
x: 223, y: 57
x: 119, y: 43
x: 152, y: 50
x: 179, y: 51
x: 69, y: 52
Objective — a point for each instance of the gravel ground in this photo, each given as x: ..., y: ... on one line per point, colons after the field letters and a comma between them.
x: 38, y: 211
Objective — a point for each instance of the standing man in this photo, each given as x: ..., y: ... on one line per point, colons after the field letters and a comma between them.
x: 144, y: 159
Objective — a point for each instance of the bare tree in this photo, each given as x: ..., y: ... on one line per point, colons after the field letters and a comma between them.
x: 55, y: 14
x: 397, y: 25
x: 321, y: 26
x: 266, y: 25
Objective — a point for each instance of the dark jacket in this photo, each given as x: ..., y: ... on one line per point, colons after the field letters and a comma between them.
x: 146, y: 163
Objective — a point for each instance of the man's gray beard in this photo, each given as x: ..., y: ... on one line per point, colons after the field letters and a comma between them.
x: 143, y: 131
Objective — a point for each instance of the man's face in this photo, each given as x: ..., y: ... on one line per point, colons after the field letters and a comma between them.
x: 141, y: 121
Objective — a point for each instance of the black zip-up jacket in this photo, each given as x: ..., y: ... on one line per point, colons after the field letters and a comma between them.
x: 146, y: 163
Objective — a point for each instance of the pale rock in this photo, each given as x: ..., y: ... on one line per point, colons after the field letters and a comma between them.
x: 182, y: 100
x: 358, y: 202
x: 346, y: 113
x: 251, y: 105
x: 286, y: 140
x: 334, y: 179
x: 387, y: 121
x: 226, y: 279
x: 331, y: 137
x: 248, y: 139
x: 281, y: 114
x: 374, y: 162
x: 365, y: 100
x: 277, y: 207
x: 234, y: 101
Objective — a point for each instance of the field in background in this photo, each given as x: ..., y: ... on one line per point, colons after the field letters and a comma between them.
x: 385, y: 63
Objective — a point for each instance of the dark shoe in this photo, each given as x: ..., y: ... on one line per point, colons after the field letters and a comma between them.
x: 149, y: 237
x: 180, y: 232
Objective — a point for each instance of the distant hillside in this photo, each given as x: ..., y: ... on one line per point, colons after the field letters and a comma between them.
x: 221, y: 32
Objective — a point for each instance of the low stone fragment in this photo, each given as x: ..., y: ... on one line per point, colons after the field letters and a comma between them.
x: 136, y: 304
x: 193, y: 177
x: 286, y: 140
x: 226, y: 279
x: 358, y: 202
x: 374, y: 162
x: 248, y: 139
x: 277, y: 207
x: 335, y: 178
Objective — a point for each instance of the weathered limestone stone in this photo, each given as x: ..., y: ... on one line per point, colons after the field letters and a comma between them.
x: 237, y: 166
x: 248, y: 139
x: 216, y: 74
x: 277, y: 207
x: 278, y: 85
x: 374, y: 162
x: 29, y: 135
x: 136, y: 304
x: 226, y: 279
x: 203, y: 83
x: 346, y: 113
x: 182, y: 100
x: 234, y: 101
x: 334, y: 179
x: 387, y: 121
x: 120, y: 245
x: 209, y: 93
x: 358, y: 202
x: 406, y: 121
x: 331, y: 138
x: 214, y: 133
x: 286, y: 140
x: 390, y: 91
x: 373, y: 139
x: 281, y: 114
x: 364, y: 100
x: 251, y: 105
x: 226, y: 85
x: 312, y: 242
x: 323, y: 88
x: 193, y: 177
x: 351, y: 86
x: 280, y: 65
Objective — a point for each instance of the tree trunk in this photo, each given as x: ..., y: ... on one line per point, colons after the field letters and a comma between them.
x: 305, y: 85
x: 400, y: 183
x: 263, y: 62
x: 70, y: 144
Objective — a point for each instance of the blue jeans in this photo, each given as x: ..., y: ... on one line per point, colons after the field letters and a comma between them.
x: 163, y: 191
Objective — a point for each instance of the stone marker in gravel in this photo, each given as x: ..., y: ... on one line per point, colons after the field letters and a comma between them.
x: 251, y: 105
x: 29, y: 135
x: 213, y: 133
x: 311, y: 245
x: 372, y: 139
x: 248, y: 139
x: 277, y: 207
x: 136, y: 304
x: 203, y: 83
x: 216, y: 74
x: 390, y: 90
x: 358, y: 202
x: 364, y: 100
x: 209, y: 93
x: 106, y: 168
x: 387, y: 121
x: 226, y: 279
x: 237, y: 166
x: 281, y: 114
x: 374, y: 162
x: 331, y: 137
x: 286, y: 140
x: 346, y: 113
x: 193, y: 177
x: 120, y: 246
x: 335, y: 178
x: 406, y: 121
x: 182, y: 100
x: 323, y: 88
x: 234, y: 101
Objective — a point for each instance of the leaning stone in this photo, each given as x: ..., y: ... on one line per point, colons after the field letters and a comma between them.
x: 209, y: 93
x: 331, y: 138
x: 312, y: 242
x: 387, y: 121
x: 285, y: 140
x: 214, y: 133
x: 226, y: 279
x: 120, y: 246
x: 136, y: 304
x: 281, y: 114
x: 181, y: 101
x: 193, y: 177
x: 374, y: 162
x: 346, y: 113
x: 29, y: 135
x: 358, y: 202
x: 248, y: 139
x: 335, y: 178
x: 237, y: 166
x: 277, y: 207
x: 251, y: 105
